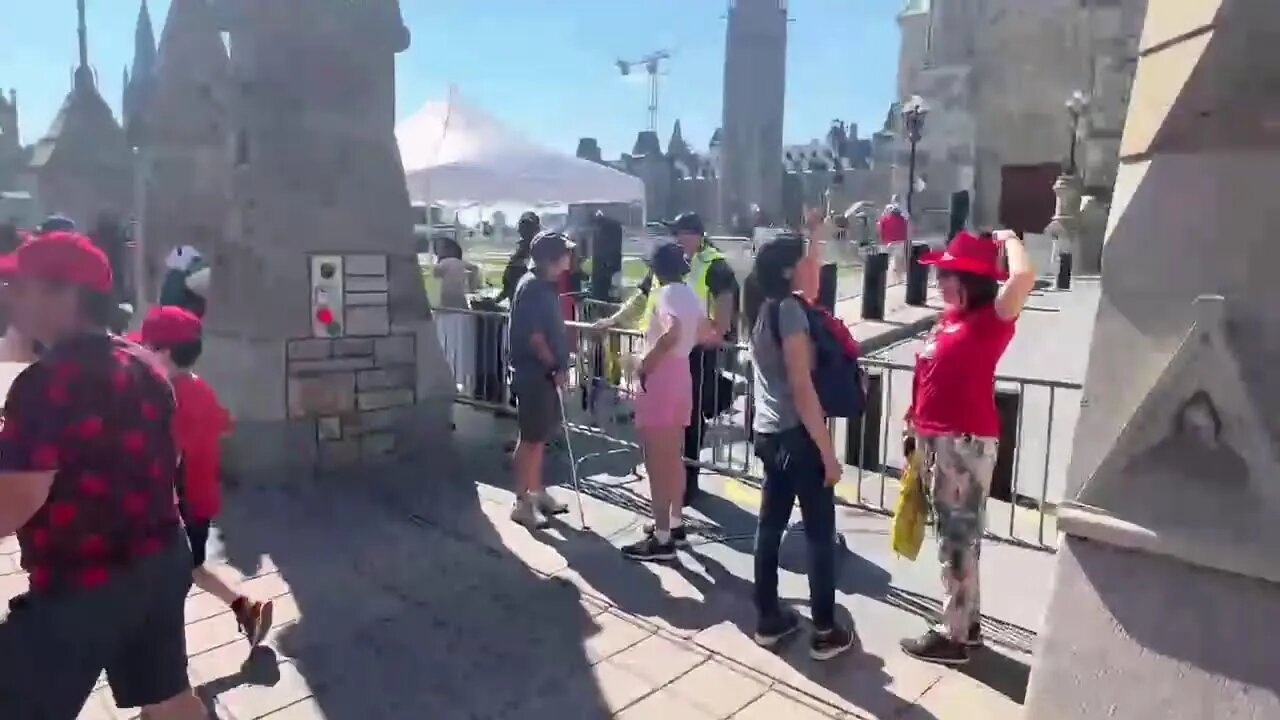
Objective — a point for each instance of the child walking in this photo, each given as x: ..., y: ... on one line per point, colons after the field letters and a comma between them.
x: 199, y: 423
x: 665, y: 401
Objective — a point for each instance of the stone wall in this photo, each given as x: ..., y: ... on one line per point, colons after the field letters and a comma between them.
x: 355, y: 390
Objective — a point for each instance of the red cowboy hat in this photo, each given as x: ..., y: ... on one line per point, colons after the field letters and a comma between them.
x: 970, y: 254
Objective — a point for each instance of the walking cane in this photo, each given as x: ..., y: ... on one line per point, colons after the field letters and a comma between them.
x: 573, y: 463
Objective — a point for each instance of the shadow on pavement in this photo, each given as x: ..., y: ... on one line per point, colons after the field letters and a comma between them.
x: 407, y: 605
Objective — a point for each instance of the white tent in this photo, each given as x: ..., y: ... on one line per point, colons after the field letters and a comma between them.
x: 456, y: 154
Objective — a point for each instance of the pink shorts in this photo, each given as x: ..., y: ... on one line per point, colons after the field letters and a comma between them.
x: 667, y: 400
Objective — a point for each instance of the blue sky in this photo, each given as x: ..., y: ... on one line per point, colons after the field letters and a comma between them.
x: 544, y: 67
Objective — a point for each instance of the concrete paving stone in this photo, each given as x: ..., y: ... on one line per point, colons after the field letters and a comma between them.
x: 619, y: 687
x: 855, y: 683
x: 613, y: 635
x: 254, y: 701
x: 213, y: 632
x: 665, y: 705
x: 659, y: 660
x: 957, y: 695
x: 306, y: 709
x: 717, y: 689
x: 202, y: 606
x: 774, y: 705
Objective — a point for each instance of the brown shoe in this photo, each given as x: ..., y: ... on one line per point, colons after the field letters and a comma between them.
x: 255, y: 620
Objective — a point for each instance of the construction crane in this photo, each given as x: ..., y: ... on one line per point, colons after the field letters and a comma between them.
x: 651, y: 64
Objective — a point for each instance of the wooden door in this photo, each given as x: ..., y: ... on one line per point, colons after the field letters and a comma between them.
x: 1026, y: 196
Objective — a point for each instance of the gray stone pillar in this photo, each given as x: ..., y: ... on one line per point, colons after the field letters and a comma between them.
x: 1168, y: 575
x: 1092, y: 230
x: 317, y: 180
x: 1064, y: 228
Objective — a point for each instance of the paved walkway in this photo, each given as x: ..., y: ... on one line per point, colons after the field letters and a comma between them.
x: 406, y: 593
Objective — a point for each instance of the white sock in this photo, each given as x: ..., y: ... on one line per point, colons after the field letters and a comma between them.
x: 662, y: 536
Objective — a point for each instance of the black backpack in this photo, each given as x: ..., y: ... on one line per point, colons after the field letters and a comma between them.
x: 837, y: 376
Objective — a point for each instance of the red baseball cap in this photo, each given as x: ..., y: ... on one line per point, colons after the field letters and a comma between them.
x: 968, y: 253
x: 168, y: 325
x: 61, y: 256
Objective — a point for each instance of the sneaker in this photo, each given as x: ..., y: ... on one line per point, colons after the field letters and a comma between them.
x: 974, y: 638
x: 679, y: 535
x: 935, y: 647
x: 650, y: 549
x: 827, y: 644
x: 526, y: 513
x: 771, y: 631
x: 548, y: 505
x: 254, y: 619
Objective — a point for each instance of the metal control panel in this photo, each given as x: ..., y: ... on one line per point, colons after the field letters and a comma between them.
x: 327, y: 312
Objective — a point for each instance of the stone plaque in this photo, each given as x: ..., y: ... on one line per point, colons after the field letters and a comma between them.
x: 332, y: 394
x: 372, y: 265
x: 368, y: 321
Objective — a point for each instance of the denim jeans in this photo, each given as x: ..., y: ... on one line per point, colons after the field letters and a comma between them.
x: 793, y: 471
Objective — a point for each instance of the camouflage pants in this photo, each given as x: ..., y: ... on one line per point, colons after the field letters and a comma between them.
x: 957, y: 471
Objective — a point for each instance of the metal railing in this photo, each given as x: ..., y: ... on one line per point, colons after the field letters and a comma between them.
x: 1030, y: 472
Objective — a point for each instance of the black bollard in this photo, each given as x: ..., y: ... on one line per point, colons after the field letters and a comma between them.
x: 917, y: 276
x: 875, y: 274
x: 828, y: 276
x: 1064, y: 271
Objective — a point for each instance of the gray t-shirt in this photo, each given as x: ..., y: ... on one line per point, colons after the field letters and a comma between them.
x: 535, y: 308
x: 775, y: 406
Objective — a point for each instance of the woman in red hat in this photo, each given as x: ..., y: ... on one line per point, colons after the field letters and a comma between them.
x: 952, y: 421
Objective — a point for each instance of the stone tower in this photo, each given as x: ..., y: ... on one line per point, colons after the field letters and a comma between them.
x: 755, y: 80
x: 1169, y: 562
x: 320, y: 212
x: 140, y: 81
x: 10, y: 133
x: 183, y: 134
x: 83, y: 166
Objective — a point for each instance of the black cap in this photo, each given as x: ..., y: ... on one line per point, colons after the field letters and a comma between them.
x: 550, y: 246
x: 668, y: 262
x: 57, y: 223
x: 686, y: 223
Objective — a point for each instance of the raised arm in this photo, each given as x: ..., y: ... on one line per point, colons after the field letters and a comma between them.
x: 1022, y: 276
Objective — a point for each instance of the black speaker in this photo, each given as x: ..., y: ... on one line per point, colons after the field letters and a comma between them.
x: 1008, y: 406
x: 606, y: 257
x: 862, y: 436
x: 959, y: 213
x: 828, y: 276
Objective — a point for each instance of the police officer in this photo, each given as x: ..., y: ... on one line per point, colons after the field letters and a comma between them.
x: 712, y: 279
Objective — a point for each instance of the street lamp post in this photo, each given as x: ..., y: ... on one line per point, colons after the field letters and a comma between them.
x: 1077, y: 104
x: 913, y: 115
x: 1065, y: 227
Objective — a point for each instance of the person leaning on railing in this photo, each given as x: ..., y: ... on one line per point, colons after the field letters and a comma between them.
x: 714, y: 283
x: 952, y: 425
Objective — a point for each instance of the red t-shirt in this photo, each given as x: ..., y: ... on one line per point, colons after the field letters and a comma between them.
x: 96, y: 410
x: 198, y: 427
x: 893, y: 228
x: 954, y: 386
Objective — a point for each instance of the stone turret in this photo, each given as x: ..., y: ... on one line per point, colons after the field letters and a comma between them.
x: 83, y: 165
x: 677, y: 147
x: 589, y: 149
x: 184, y: 137
x: 10, y: 133
x: 318, y: 201
x: 139, y: 83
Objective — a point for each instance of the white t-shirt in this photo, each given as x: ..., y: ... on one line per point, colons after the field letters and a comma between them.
x: 680, y: 301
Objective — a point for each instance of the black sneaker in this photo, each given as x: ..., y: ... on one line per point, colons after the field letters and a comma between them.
x: 827, y: 644
x: 679, y: 535
x: 650, y: 550
x: 974, y: 638
x: 935, y: 647
x: 254, y: 619
x: 771, y: 631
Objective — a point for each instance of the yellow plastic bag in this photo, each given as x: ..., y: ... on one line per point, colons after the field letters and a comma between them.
x: 909, y: 516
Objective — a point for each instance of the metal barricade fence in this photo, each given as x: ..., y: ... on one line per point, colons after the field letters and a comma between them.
x: 1030, y: 472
